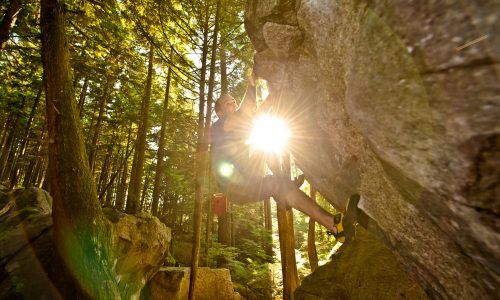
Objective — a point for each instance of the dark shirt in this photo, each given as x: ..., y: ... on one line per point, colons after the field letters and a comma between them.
x: 230, y: 150
x: 227, y: 150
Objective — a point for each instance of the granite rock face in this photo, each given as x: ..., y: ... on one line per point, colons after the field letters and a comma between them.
x: 364, y: 269
x: 386, y: 99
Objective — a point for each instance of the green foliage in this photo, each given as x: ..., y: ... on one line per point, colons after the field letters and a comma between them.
x: 219, y: 252
x: 250, y: 271
x: 324, y: 242
x: 109, y: 42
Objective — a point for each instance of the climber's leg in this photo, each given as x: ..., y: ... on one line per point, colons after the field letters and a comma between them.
x: 285, y: 192
x: 290, y: 195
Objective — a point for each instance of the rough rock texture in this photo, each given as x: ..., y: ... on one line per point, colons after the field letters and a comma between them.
x: 140, y: 245
x: 26, y: 246
x: 30, y: 267
x: 364, y: 269
x: 173, y: 283
x: 383, y: 101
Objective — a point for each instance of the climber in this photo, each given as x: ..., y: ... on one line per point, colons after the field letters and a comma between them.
x: 241, y: 177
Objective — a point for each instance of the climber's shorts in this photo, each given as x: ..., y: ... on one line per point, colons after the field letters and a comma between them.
x: 246, y: 190
x: 240, y: 189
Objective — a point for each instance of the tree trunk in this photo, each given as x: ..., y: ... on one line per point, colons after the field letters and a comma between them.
x: 134, y: 190
x: 10, y: 146
x: 311, y: 239
x: 83, y: 94
x: 224, y: 229
x: 103, y: 178
x: 268, y: 220
x: 97, y: 127
x: 117, y: 172
x: 287, y: 243
x: 81, y: 234
x: 15, y: 171
x: 28, y: 172
x: 122, y: 187
x: 158, y: 184
x: 111, y: 186
x: 211, y: 78
x: 11, y: 158
x: 9, y: 20
x: 208, y: 230
x: 144, y: 192
x: 93, y: 118
x: 201, y: 158
x: 208, y: 120
x: 5, y: 129
x: 40, y: 168
x: 168, y: 206
x: 30, y: 121
x: 267, y: 239
x: 223, y: 70
x: 35, y: 164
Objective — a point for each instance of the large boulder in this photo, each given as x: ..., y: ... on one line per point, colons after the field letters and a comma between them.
x: 26, y: 246
x: 384, y: 101
x: 31, y: 268
x: 140, y: 244
x: 364, y: 269
x: 173, y: 283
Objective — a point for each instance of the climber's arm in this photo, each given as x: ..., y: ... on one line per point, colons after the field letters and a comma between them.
x: 245, y: 113
x: 249, y: 104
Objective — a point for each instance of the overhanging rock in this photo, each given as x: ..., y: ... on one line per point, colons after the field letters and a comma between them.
x: 384, y: 102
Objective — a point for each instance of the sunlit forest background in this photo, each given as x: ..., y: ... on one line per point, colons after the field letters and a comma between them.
x: 145, y: 76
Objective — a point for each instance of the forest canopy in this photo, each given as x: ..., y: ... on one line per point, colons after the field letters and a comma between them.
x: 140, y: 81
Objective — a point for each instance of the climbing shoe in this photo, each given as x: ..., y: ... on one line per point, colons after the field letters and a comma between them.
x: 350, y: 219
x: 337, y: 222
x: 337, y: 235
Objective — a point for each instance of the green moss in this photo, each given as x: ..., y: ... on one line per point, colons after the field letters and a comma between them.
x: 365, y: 269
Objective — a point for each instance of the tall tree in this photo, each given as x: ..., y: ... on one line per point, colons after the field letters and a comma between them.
x: 25, y: 137
x: 97, y: 127
x: 161, y: 148
x: 223, y: 70
x: 83, y: 94
x: 10, y: 145
x: 287, y: 242
x: 208, y: 116
x: 201, y: 156
x: 311, y: 239
x: 133, y: 198
x: 81, y: 233
x: 122, y: 186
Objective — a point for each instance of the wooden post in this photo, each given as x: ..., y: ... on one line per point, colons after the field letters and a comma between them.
x: 311, y: 239
x: 287, y: 242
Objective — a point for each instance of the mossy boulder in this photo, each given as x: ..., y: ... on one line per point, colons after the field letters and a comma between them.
x: 363, y: 269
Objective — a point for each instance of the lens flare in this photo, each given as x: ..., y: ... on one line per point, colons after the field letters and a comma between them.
x: 225, y: 169
x: 269, y: 134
